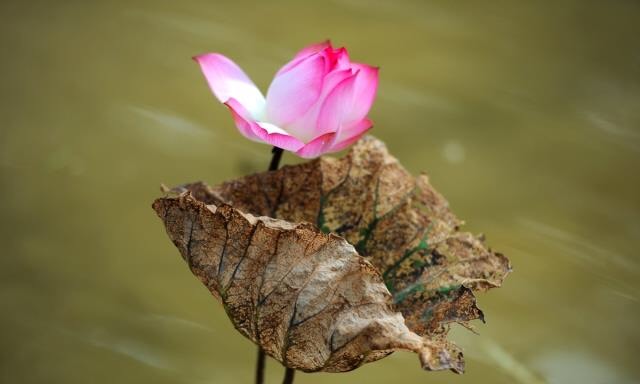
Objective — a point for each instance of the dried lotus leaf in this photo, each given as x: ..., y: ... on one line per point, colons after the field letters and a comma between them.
x: 307, y: 298
x: 398, y: 222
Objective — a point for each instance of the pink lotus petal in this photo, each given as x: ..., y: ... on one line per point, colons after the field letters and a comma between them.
x: 340, y: 59
x: 350, y: 135
x: 313, y: 48
x: 242, y: 118
x: 292, y: 93
x: 332, y: 80
x: 261, y: 131
x: 227, y: 80
x: 319, y: 98
x: 316, y: 147
x: 336, y: 106
x: 364, y: 91
x: 305, y: 128
x: 303, y: 54
x: 335, y: 59
x: 276, y: 136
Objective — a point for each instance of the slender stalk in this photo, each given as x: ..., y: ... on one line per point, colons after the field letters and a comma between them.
x: 288, y: 376
x: 275, y: 160
x: 260, y: 366
x: 275, y: 163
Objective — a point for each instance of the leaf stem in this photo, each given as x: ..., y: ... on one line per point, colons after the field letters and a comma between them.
x: 275, y: 163
x: 288, y: 376
x: 260, y: 367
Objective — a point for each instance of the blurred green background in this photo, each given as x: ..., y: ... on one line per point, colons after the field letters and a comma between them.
x: 526, y: 115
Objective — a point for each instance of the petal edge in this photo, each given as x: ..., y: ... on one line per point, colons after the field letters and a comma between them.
x: 227, y: 80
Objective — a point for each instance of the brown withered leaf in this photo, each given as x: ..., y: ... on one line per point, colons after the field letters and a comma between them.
x: 306, y: 297
x: 399, y: 223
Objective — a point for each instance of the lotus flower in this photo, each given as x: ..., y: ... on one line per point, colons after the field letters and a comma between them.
x: 317, y: 103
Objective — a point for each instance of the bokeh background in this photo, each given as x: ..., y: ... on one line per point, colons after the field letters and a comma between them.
x: 526, y: 115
